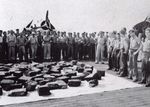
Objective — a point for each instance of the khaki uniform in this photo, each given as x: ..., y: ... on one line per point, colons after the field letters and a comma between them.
x: 101, y: 44
x: 11, y: 46
x: 33, y: 43
x: 21, y: 42
x: 47, y: 47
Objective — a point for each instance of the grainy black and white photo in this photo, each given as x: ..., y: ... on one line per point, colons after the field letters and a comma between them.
x: 75, y: 53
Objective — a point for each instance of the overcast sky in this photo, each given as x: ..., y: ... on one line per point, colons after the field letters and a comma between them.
x: 74, y: 15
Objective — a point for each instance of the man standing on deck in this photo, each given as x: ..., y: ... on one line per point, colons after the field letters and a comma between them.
x: 21, y: 42
x: 124, y: 48
x: 11, y: 45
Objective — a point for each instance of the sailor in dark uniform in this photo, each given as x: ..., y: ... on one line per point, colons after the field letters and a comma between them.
x: 40, y: 47
x: 92, y: 47
x: 70, y: 45
x: 16, y: 48
x: 1, y: 45
x: 124, y: 49
x: 5, y: 46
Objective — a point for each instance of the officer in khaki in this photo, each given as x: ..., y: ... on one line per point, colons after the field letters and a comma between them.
x: 21, y: 42
x: 11, y: 45
x: 47, y: 46
x: 33, y: 42
x: 101, y: 44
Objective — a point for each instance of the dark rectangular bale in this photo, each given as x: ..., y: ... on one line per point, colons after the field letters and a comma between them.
x: 80, y: 69
x: 101, y: 72
x: 43, y: 90
x: 74, y: 82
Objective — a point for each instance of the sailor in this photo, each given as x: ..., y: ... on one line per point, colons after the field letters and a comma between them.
x: 80, y: 45
x: 101, y: 43
x: 70, y: 45
x: 110, y: 45
x: 21, y: 42
x: 115, y: 52
x: 65, y: 46
x: 134, y: 46
x: 88, y: 43
x: 84, y: 39
x: 76, y: 45
x: 33, y: 44
x: 77, y: 42
x: 63, y: 50
x: 92, y: 46
x: 5, y: 46
x: 124, y: 48
x: 54, y: 48
x: 1, y: 45
x: 40, y: 47
x: 11, y: 45
x: 28, y: 53
x: 145, y: 47
x: 47, y: 46
x: 16, y: 48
